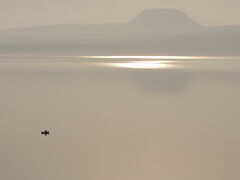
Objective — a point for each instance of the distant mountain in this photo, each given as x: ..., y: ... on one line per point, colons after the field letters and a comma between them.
x: 165, y: 19
x: 158, y: 31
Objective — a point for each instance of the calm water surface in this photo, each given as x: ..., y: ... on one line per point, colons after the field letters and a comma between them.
x: 120, y: 118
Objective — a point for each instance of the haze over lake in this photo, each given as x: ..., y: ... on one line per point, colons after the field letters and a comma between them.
x: 155, y: 97
x: 119, y: 117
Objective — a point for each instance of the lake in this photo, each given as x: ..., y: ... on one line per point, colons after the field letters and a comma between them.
x: 120, y: 117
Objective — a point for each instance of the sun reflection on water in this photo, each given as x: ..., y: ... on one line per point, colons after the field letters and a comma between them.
x: 161, y: 62
x: 144, y: 62
x: 150, y: 57
x: 141, y: 64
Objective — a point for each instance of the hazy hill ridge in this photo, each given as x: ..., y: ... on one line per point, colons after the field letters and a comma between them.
x: 159, y: 31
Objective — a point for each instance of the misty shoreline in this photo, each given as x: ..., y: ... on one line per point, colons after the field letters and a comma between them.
x: 158, y: 31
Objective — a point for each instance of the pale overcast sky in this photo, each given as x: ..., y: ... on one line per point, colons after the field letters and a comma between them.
x: 21, y: 13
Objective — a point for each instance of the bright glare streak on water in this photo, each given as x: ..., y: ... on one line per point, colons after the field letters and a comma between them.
x: 142, y: 64
x: 152, y: 57
x: 213, y: 63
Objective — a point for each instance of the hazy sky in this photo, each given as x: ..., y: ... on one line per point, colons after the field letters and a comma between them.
x: 20, y: 13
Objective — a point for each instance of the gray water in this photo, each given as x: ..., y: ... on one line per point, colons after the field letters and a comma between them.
x: 119, y: 118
